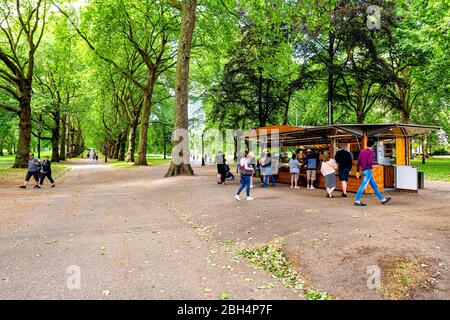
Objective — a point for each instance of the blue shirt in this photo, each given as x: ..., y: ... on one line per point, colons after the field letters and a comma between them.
x: 294, y: 166
x: 32, y: 165
x: 311, y: 162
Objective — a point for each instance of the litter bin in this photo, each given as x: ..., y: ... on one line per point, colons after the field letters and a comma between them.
x: 420, y: 180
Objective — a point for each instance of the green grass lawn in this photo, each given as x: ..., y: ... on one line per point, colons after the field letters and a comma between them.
x: 151, y: 160
x: 10, y: 158
x: 9, y: 175
x: 434, y: 169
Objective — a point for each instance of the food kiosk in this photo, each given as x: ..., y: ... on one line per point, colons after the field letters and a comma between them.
x: 392, y: 169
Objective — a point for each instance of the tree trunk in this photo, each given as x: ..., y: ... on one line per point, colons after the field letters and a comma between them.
x: 131, y: 142
x: 260, y: 100
x: 330, y: 70
x: 62, y: 153
x: 69, y: 138
x: 181, y: 116
x: 117, y: 146
x: 404, y: 115
x: 423, y: 150
x: 1, y: 148
x: 360, y: 117
x: 23, y: 145
x: 146, y: 109
x: 55, y: 138
x: 123, y: 138
x: 286, y: 112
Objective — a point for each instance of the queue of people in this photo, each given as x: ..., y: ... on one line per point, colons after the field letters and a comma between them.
x: 340, y: 165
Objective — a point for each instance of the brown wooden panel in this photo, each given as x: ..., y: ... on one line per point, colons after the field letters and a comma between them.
x: 389, y: 180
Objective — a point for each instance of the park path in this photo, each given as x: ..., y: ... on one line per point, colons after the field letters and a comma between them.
x: 125, y: 231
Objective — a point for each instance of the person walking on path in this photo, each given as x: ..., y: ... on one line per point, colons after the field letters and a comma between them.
x: 365, y: 163
x: 345, y: 163
x: 33, y: 171
x: 246, y: 174
x: 294, y: 170
x: 266, y: 166
x: 221, y: 171
x: 328, y: 169
x: 47, y: 172
x: 311, y: 166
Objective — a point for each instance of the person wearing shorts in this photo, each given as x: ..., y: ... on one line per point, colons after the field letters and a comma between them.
x: 345, y: 162
x: 294, y: 170
x: 311, y: 166
x: 33, y: 171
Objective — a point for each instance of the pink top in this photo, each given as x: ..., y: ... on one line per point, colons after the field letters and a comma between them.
x: 328, y: 167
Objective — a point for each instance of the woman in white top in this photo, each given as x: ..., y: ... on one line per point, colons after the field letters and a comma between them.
x: 294, y: 170
x: 328, y: 169
x: 246, y: 174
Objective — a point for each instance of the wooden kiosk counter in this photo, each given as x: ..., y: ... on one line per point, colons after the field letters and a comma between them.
x: 392, y: 150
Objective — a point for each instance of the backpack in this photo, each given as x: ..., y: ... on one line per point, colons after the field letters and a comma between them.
x: 246, y: 172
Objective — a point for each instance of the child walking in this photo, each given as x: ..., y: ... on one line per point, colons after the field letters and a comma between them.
x: 328, y: 170
x: 294, y: 170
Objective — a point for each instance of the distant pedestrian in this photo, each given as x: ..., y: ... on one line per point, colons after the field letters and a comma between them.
x: 328, y: 170
x: 365, y: 164
x: 47, y: 172
x: 294, y: 170
x: 33, y: 171
x: 246, y: 175
x: 310, y: 161
x: 221, y: 171
x: 345, y: 163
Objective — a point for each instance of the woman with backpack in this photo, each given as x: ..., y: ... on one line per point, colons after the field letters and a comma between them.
x: 247, y: 171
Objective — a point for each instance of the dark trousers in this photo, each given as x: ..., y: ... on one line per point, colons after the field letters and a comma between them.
x: 48, y: 175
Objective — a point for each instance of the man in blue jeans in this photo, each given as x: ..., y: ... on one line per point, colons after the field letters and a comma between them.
x: 365, y: 163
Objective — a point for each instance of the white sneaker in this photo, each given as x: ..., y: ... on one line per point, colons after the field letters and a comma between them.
x: 292, y: 187
x: 312, y: 188
x: 297, y: 188
x: 237, y: 197
x: 250, y: 198
x: 307, y: 187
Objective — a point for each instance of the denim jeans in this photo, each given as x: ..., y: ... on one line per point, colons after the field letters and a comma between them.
x: 266, y: 180
x: 245, y: 183
x: 368, y: 179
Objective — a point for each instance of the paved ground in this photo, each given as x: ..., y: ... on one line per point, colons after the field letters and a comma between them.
x: 136, y: 235
x: 119, y: 227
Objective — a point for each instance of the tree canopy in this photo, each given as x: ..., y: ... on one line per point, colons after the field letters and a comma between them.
x: 123, y: 75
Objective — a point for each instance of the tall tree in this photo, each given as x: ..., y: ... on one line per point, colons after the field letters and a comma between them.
x: 181, y: 117
x: 22, y: 24
x: 147, y: 26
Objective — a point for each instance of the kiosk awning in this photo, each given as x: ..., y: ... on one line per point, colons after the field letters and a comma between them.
x: 292, y: 135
